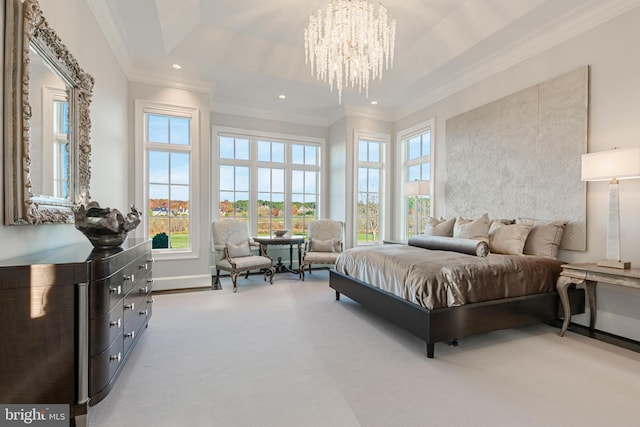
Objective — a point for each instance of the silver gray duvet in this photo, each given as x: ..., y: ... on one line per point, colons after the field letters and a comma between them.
x: 437, y: 279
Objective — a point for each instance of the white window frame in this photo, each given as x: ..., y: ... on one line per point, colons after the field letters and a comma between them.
x: 254, y: 164
x: 401, y: 154
x: 385, y: 184
x: 143, y: 107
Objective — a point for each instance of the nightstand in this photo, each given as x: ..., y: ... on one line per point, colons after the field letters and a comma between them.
x: 590, y: 274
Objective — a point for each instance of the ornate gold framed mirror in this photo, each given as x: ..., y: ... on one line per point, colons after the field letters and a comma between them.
x: 46, y: 121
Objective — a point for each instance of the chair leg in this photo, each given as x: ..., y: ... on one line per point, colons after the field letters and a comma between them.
x: 246, y: 276
x: 217, y: 282
x: 234, y: 278
x: 301, y: 268
x: 272, y: 270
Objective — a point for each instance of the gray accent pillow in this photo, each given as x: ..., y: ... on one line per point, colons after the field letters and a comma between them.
x: 472, y: 229
x: 239, y: 250
x: 322, y: 245
x: 508, y: 239
x: 442, y: 243
x: 544, y: 238
x: 439, y: 227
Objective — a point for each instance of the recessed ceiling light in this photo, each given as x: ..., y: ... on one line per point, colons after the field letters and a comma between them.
x: 282, y: 96
x: 374, y: 102
x: 176, y: 66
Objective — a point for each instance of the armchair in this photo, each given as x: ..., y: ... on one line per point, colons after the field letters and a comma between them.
x: 324, y: 243
x: 232, y: 246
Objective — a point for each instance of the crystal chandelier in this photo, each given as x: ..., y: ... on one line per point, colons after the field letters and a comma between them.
x: 348, y: 43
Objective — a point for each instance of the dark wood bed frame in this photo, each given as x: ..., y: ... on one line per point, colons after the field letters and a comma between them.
x: 449, y: 324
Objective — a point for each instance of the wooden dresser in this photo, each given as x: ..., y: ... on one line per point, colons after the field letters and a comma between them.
x: 70, y: 319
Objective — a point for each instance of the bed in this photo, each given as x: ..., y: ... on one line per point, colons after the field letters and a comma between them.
x: 444, y: 295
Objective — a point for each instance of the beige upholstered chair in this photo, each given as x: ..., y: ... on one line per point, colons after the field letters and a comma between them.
x: 232, y: 246
x: 324, y: 243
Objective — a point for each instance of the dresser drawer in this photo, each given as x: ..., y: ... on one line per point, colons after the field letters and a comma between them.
x: 104, y: 329
x: 104, y: 366
x: 105, y: 294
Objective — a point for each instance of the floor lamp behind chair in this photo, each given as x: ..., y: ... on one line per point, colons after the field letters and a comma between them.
x: 611, y: 166
x: 416, y: 189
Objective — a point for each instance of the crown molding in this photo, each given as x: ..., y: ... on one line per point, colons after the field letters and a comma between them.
x: 594, y: 13
x: 104, y: 13
x: 165, y: 81
x: 258, y: 112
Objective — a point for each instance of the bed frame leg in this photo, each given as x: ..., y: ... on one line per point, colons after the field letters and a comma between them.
x: 337, y: 296
x: 430, y: 350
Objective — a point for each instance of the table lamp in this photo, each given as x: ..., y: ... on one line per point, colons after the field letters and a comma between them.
x: 612, y: 166
x: 415, y: 189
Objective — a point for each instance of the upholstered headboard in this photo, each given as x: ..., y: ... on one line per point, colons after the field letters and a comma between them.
x: 520, y: 156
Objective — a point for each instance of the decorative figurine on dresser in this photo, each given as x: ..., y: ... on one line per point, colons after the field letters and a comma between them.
x: 71, y: 316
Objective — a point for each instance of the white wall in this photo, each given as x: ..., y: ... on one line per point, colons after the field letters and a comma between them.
x: 79, y: 31
x: 610, y: 50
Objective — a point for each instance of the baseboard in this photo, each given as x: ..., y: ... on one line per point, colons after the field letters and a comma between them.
x: 611, y: 323
x: 181, y: 282
x: 607, y: 337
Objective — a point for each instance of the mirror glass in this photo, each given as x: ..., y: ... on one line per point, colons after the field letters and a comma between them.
x: 47, y: 121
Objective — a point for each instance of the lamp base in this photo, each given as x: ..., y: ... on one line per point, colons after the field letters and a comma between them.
x: 614, y: 263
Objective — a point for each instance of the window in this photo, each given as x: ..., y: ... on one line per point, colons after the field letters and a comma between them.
x: 417, y: 166
x: 168, y: 151
x: 270, y: 181
x: 370, y: 190
x: 61, y: 149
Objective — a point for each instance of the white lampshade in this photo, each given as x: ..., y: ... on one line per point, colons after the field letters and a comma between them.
x: 417, y: 188
x: 612, y: 164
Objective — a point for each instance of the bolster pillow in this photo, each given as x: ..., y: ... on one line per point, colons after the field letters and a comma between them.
x: 454, y: 244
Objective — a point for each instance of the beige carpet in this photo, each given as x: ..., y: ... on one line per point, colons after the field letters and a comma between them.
x: 288, y: 354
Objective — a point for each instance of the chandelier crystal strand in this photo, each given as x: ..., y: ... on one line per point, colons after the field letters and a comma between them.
x: 350, y: 44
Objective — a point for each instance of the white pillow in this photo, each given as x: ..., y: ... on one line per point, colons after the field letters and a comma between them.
x: 508, y: 239
x: 239, y: 250
x: 439, y: 227
x: 322, y: 245
x: 472, y: 229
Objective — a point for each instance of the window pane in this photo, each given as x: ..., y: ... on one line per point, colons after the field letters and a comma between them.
x: 227, y: 146
x: 158, y: 167
x: 311, y: 154
x: 414, y: 148
x: 242, y: 178
x: 264, y: 151
x: 363, y: 152
x: 426, y: 144
x: 242, y: 149
x: 426, y: 171
x: 374, y: 152
x: 374, y: 180
x: 309, y: 182
x: 362, y: 179
x: 179, y: 127
x: 297, y: 154
x: 277, y: 180
x: 264, y: 179
x: 277, y: 152
x: 414, y: 173
x: 297, y: 181
x: 179, y: 168
x: 226, y: 177
x: 158, y: 128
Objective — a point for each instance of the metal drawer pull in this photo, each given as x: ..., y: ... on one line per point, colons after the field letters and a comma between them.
x: 132, y: 278
x: 149, y: 280
x: 130, y: 306
x: 116, y: 357
x: 114, y: 290
x: 150, y: 301
x: 144, y: 312
x: 144, y: 290
x: 151, y: 260
x: 115, y: 323
x: 143, y: 266
x: 131, y: 334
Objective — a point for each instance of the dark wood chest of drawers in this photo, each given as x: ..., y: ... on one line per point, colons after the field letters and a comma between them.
x: 70, y: 319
